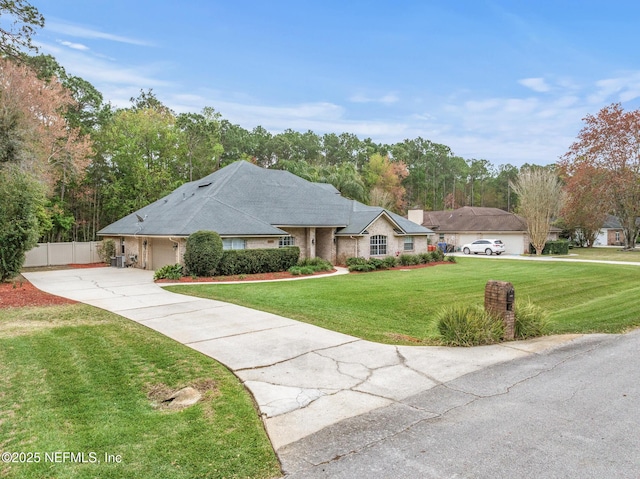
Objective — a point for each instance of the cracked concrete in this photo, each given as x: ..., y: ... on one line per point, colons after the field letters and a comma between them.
x: 303, y: 378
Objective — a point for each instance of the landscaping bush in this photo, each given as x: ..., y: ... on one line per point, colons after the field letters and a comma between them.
x: 530, y: 320
x: 170, y: 271
x: 408, y: 259
x: 553, y: 247
x: 318, y: 264
x: 203, y: 253
x: 450, y: 259
x: 468, y: 326
x: 301, y: 270
x: 390, y: 262
x: 252, y: 261
x: 310, y: 266
x: 425, y: 258
x: 437, y: 255
x: 106, y: 250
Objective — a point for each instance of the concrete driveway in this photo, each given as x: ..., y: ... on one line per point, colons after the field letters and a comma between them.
x: 304, y: 378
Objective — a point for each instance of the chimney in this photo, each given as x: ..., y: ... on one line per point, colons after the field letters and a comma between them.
x: 417, y: 216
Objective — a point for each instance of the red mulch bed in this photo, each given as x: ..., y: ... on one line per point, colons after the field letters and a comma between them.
x: 20, y: 293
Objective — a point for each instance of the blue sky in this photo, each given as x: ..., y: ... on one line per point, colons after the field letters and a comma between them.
x: 506, y: 81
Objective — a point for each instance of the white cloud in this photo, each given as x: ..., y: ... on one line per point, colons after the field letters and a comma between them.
x: 74, y: 46
x: 388, y: 99
x: 89, y: 33
x: 536, y: 84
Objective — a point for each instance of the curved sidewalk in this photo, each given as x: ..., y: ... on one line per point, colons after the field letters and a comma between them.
x: 304, y: 378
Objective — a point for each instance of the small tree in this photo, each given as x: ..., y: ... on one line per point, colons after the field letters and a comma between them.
x: 203, y: 253
x: 21, y: 205
x: 540, y: 195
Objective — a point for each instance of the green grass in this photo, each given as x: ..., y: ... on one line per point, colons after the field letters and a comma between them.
x: 608, y: 254
x: 398, y: 307
x: 77, y: 379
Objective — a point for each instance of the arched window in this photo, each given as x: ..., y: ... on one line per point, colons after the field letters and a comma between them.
x: 378, y: 245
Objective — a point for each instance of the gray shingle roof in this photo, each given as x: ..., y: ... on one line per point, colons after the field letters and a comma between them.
x: 245, y: 200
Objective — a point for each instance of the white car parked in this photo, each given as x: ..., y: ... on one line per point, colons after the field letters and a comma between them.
x: 487, y: 246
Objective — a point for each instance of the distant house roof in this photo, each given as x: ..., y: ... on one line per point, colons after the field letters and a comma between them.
x: 242, y: 199
x: 474, y: 219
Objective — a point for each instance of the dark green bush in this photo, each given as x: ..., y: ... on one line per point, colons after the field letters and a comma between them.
x: 353, y: 261
x: 203, y: 253
x: 170, y: 271
x: 318, y: 264
x: 450, y: 259
x: 468, y: 326
x: 552, y: 247
x: 530, y: 320
x: 252, y: 261
x: 408, y: 259
x: 301, y: 270
x: 437, y: 255
x: 390, y: 262
x: 425, y: 258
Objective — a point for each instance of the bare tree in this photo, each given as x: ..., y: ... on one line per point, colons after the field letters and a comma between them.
x: 541, y: 197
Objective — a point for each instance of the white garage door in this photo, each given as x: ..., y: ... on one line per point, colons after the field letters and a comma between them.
x: 513, y: 242
x: 163, y: 253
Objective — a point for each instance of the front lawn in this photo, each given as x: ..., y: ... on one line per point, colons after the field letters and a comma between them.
x: 602, y: 253
x: 398, y: 307
x: 81, y: 394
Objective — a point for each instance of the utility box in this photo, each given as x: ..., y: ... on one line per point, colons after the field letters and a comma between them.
x: 499, y: 300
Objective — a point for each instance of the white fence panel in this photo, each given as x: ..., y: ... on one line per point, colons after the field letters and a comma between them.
x: 56, y: 254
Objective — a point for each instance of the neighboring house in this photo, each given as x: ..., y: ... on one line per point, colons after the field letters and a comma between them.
x: 253, y: 207
x: 467, y: 224
x: 611, y: 233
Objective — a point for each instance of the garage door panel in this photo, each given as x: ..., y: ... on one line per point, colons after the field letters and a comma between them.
x: 163, y: 253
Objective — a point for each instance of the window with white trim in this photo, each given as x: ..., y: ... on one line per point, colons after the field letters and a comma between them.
x: 408, y: 243
x: 234, y: 243
x: 378, y: 245
x: 286, y: 241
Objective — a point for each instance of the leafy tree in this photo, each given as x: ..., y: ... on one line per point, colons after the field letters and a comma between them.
x: 610, y: 143
x: 21, y: 212
x: 540, y: 195
x: 201, y: 139
x: 138, y: 160
x: 18, y: 23
x: 384, y: 178
x: 585, y: 210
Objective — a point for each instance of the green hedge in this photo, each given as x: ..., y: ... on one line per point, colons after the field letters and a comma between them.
x: 552, y: 247
x: 251, y: 261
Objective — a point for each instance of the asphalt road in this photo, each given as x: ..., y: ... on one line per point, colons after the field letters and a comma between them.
x: 573, y: 412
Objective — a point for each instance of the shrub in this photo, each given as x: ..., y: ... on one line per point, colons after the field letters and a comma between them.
x: 450, y: 259
x: 170, y: 271
x: 353, y: 261
x: 318, y: 264
x: 552, y: 247
x: 425, y: 258
x: 390, y: 262
x: 203, y: 253
x: 530, y: 320
x: 252, y: 261
x: 408, y: 259
x: 106, y: 250
x: 468, y: 326
x: 437, y: 255
x: 301, y: 270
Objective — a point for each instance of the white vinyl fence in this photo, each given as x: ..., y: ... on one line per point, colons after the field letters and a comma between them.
x: 56, y: 254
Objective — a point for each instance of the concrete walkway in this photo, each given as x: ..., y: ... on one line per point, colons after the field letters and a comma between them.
x: 304, y: 378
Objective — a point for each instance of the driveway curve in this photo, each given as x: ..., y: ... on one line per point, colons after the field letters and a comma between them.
x: 304, y: 378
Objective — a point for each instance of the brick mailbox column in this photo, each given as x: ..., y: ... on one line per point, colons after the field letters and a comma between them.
x: 499, y: 298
